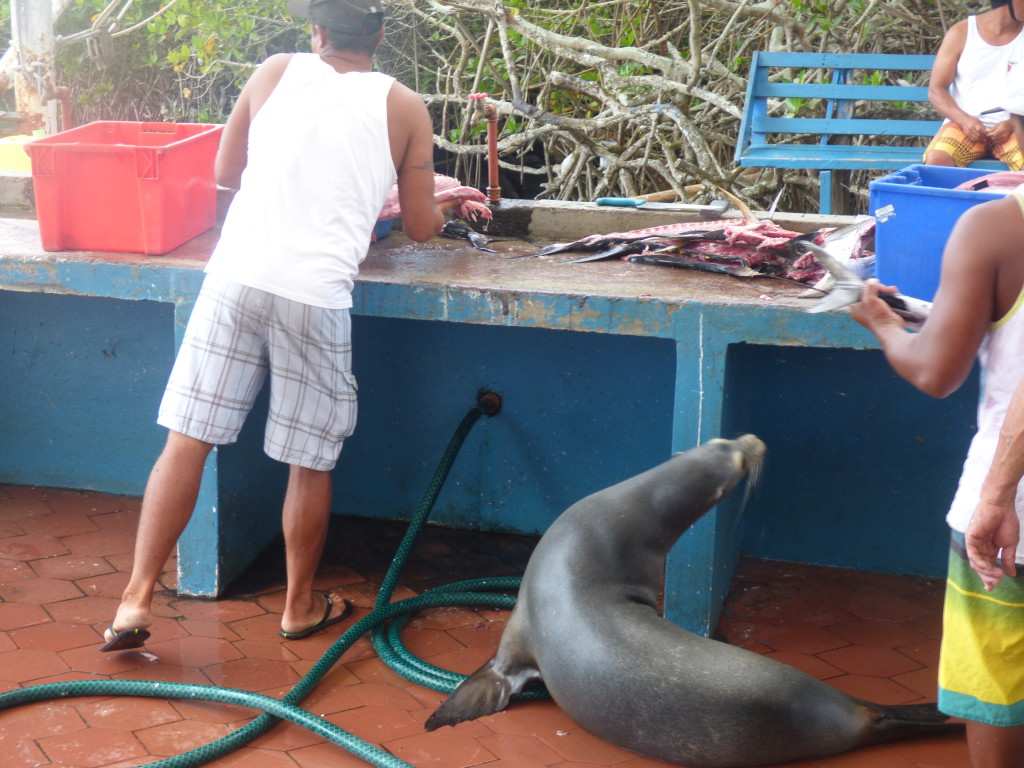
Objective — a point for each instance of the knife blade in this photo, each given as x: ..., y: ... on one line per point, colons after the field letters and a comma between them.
x: 711, y: 210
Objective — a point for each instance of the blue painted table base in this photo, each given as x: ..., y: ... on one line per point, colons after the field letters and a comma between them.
x: 605, y: 369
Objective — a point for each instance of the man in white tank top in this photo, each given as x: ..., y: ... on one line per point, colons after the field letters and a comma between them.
x: 313, y: 145
x: 978, y: 311
x: 968, y: 78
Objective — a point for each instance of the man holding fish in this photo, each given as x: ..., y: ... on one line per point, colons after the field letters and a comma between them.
x: 978, y: 311
x: 313, y: 146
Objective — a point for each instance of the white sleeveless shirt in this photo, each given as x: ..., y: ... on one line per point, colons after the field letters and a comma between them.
x: 319, y: 169
x: 1002, y: 364
x: 981, y: 72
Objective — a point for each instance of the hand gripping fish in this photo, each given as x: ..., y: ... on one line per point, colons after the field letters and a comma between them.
x: 848, y: 289
x: 472, y: 202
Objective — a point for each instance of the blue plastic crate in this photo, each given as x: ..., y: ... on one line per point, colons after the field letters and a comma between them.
x: 915, y: 209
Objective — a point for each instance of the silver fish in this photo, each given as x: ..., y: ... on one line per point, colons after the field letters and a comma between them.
x: 848, y: 289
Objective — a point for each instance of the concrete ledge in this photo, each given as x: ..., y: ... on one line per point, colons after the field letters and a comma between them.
x: 556, y: 220
x: 16, y: 198
x: 561, y: 221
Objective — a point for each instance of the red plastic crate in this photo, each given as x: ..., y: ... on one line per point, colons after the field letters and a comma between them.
x: 125, y: 186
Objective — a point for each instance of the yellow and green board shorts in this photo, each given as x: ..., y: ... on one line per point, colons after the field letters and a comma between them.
x: 981, y: 666
x: 952, y: 140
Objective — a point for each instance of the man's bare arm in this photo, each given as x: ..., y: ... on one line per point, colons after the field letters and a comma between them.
x: 233, y: 152
x: 995, y: 525
x: 942, y: 75
x: 412, y: 147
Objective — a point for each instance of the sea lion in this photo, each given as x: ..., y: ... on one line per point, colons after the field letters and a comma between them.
x: 586, y: 624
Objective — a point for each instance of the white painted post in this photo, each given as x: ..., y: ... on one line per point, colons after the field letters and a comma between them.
x: 7, y: 60
x: 34, y: 78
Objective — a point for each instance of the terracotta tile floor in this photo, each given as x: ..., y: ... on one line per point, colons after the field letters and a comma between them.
x: 63, y: 562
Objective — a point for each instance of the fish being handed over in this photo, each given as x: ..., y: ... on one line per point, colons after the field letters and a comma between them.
x: 847, y: 246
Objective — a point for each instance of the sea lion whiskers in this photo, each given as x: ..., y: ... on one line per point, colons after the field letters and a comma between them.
x: 753, y: 478
x: 747, y: 458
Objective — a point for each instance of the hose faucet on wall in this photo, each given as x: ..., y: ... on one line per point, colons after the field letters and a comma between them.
x: 489, y: 112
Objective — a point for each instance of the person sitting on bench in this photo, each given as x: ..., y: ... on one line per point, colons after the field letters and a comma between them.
x: 967, y: 82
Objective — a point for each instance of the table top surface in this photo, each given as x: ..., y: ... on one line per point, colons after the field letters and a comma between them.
x: 455, y: 265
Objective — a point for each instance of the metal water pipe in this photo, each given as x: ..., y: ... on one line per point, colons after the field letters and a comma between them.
x: 489, y: 112
x: 33, y: 70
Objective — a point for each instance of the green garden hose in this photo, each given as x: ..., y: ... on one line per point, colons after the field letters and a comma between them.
x: 491, y: 593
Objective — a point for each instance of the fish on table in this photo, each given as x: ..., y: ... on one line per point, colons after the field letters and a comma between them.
x: 458, y: 229
x: 744, y: 247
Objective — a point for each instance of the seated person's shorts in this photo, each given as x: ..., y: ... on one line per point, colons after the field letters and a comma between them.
x: 952, y: 140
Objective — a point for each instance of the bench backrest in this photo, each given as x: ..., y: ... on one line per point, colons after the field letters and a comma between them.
x: 839, y: 95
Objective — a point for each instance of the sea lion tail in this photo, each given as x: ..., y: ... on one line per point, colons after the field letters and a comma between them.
x: 909, y: 720
x: 485, y: 692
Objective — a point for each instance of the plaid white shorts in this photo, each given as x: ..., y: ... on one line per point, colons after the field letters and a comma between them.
x: 237, y: 334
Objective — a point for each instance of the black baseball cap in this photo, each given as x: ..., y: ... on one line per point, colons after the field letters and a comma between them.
x: 1001, y: 3
x: 357, y: 17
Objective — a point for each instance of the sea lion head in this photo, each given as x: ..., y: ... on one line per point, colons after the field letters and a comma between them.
x: 748, y: 453
x: 721, y: 464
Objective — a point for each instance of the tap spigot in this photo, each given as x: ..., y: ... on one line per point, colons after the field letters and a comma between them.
x: 489, y: 112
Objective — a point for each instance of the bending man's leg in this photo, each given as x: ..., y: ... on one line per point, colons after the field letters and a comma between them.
x: 167, y: 505
x: 307, y: 509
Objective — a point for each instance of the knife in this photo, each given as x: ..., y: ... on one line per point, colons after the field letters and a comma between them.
x: 712, y: 210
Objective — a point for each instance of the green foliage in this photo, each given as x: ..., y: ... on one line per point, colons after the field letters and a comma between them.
x: 874, y: 78
x: 817, y: 12
x: 186, y: 64
x: 794, y: 104
x: 5, y: 24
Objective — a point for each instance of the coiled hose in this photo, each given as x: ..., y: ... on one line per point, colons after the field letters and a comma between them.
x: 386, y: 622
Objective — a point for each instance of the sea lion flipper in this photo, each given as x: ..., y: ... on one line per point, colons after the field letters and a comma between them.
x: 485, y: 692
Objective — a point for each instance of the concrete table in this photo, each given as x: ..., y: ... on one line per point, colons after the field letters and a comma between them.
x: 605, y: 369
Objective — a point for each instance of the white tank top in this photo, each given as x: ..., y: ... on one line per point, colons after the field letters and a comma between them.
x: 1002, y: 366
x: 319, y: 169
x: 981, y: 72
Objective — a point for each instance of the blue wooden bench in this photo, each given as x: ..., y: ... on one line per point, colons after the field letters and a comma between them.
x: 822, y: 108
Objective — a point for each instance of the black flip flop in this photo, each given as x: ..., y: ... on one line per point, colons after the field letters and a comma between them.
x: 126, y: 639
x: 321, y: 625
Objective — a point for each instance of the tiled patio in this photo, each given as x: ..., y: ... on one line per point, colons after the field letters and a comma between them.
x: 64, y: 557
